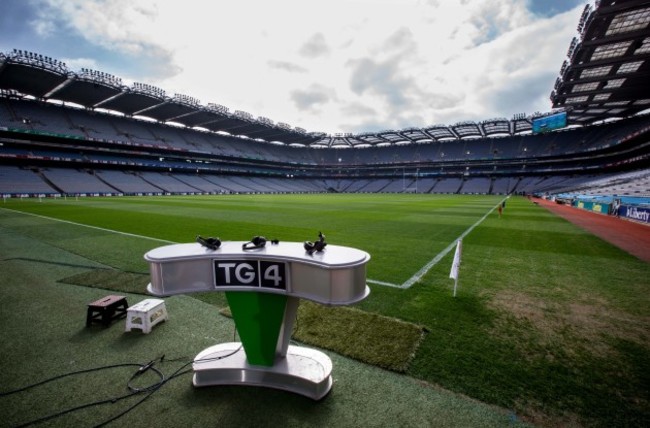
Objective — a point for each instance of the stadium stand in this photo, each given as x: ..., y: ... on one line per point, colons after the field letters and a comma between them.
x: 448, y: 185
x: 358, y: 186
x: 72, y: 181
x: 377, y: 186
x: 19, y: 181
x: 423, y: 185
x: 635, y: 183
x: 50, y: 145
x: 127, y: 182
x: 503, y: 186
x: 479, y: 185
x: 167, y: 183
x: 200, y: 183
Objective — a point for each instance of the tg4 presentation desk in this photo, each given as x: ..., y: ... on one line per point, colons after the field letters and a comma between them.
x: 263, y: 287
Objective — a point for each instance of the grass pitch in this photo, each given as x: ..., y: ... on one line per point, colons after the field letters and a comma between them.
x: 550, y: 321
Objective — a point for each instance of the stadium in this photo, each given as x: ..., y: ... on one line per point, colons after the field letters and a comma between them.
x: 550, y: 325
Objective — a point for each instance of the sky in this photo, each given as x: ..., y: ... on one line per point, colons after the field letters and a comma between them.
x: 331, y: 66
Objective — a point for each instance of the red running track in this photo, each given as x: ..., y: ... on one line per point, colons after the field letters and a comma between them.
x: 628, y: 235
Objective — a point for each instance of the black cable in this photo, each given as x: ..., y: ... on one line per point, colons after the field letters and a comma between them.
x: 156, y: 387
x: 174, y: 375
x: 142, y: 368
x: 74, y: 409
x: 150, y: 390
x: 141, y: 371
x: 52, y: 379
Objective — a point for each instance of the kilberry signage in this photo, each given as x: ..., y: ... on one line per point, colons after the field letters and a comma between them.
x: 635, y: 213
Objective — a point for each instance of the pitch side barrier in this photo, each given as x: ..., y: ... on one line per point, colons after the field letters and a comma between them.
x: 626, y: 211
x: 598, y: 207
x: 640, y: 214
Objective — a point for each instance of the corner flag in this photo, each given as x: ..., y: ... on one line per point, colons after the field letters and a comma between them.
x: 456, y: 264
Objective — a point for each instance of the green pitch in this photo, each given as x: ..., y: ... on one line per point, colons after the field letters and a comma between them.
x: 550, y: 321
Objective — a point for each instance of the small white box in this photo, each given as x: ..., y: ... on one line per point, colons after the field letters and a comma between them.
x: 146, y: 314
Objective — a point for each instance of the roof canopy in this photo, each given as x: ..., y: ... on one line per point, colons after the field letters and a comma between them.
x: 607, y: 70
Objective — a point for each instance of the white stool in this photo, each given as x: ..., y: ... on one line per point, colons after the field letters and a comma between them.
x: 146, y: 314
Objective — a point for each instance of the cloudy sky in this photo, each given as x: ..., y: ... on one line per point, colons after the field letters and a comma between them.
x: 329, y: 66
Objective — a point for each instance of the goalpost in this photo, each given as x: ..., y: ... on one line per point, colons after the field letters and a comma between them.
x: 412, y: 187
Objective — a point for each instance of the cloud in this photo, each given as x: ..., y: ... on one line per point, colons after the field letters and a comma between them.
x: 357, y: 109
x: 77, y: 64
x: 400, y: 42
x: 286, y: 66
x: 370, y: 125
x: 491, y: 22
x: 314, y: 47
x: 118, y: 26
x: 379, y: 78
x: 310, y: 99
x: 523, y: 95
x: 521, y: 66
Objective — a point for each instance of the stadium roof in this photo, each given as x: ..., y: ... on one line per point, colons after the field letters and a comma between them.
x: 605, y: 77
x: 31, y: 74
x: 607, y: 72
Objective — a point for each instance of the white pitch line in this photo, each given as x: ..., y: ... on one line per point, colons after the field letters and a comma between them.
x: 91, y: 227
x: 419, y: 274
x: 387, y: 284
x: 407, y: 284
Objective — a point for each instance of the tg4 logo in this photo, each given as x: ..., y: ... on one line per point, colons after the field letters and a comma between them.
x: 250, y: 273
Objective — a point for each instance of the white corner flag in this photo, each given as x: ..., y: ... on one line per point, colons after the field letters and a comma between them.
x: 456, y: 264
